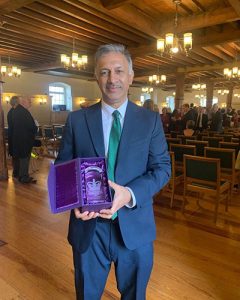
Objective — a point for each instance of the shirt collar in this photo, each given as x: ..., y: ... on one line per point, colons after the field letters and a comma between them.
x: 109, y: 109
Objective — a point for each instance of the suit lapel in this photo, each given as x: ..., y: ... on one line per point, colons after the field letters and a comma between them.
x: 94, y: 121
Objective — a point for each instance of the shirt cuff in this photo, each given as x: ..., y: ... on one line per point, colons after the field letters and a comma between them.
x: 132, y: 203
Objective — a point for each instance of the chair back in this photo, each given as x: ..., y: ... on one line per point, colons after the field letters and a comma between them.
x: 226, y: 156
x: 183, y: 138
x: 174, y: 134
x: 226, y: 137
x: 179, y: 150
x: 48, y: 132
x: 203, y: 170
x: 58, y: 131
x: 212, y: 141
x: 200, y: 145
x: 230, y: 145
x: 172, y: 141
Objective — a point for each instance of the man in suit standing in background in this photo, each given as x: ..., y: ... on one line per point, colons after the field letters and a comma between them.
x: 202, y: 119
x: 132, y: 140
x: 23, y: 136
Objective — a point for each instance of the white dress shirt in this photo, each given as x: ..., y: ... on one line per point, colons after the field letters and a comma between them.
x: 107, y: 120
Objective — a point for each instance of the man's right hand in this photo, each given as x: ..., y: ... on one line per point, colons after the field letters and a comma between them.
x: 85, y: 215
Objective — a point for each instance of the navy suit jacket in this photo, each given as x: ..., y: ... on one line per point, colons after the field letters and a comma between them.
x: 143, y: 164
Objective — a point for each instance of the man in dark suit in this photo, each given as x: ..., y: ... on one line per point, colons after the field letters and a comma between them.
x: 23, y: 136
x: 188, y: 114
x: 202, y: 119
x: 15, y: 161
x: 142, y: 168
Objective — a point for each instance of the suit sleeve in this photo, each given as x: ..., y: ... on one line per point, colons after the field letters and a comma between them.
x: 158, y: 169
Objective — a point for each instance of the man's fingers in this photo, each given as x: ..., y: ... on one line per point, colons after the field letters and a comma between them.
x: 112, y: 184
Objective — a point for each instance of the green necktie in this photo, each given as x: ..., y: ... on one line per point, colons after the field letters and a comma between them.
x: 114, y: 139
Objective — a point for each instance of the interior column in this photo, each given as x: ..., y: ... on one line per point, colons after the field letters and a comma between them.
x: 210, y: 86
x: 179, y: 97
x: 229, y: 97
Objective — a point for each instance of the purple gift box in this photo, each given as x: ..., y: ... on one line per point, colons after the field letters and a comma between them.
x: 82, y: 183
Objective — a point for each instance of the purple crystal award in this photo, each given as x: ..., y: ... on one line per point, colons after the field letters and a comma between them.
x: 82, y: 183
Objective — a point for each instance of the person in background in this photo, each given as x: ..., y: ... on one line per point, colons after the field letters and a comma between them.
x: 15, y: 162
x: 166, y: 118
x: 188, y: 114
x: 202, y: 119
x: 189, y: 131
x: 123, y: 234
x: 175, y: 121
x: 216, y: 119
x: 23, y: 136
x: 149, y: 104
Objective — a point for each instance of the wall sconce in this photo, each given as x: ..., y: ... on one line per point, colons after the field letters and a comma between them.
x: 7, y: 99
x: 42, y: 101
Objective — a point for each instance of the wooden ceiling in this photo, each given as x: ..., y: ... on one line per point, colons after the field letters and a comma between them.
x: 34, y: 34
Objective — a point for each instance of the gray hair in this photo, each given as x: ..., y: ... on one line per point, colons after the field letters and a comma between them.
x: 14, y: 100
x: 104, y: 49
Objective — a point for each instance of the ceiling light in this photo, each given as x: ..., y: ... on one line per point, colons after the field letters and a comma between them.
x: 173, y: 43
x: 75, y: 61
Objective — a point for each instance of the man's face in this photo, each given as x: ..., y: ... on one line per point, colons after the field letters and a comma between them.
x: 113, y: 78
x: 26, y: 102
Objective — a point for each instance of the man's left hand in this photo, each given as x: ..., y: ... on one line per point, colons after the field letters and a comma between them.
x: 122, y: 196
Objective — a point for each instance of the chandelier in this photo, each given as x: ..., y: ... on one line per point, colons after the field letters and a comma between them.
x: 156, y: 79
x: 231, y: 73
x: 10, y: 71
x: 173, y: 43
x: 199, y: 86
x: 237, y: 95
x: 75, y: 61
x: 223, y: 92
x: 147, y: 90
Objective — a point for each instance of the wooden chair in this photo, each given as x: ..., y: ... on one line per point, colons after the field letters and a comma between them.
x: 183, y: 138
x: 227, y: 164
x: 235, y: 140
x: 49, y: 140
x: 212, y: 141
x: 230, y: 145
x: 179, y: 151
x: 176, y: 179
x: 174, y: 134
x: 172, y: 141
x: 202, y: 175
x: 200, y: 145
x: 226, y: 137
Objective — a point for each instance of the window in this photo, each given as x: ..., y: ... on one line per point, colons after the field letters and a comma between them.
x: 61, y: 96
x: 58, y: 95
x: 170, y: 101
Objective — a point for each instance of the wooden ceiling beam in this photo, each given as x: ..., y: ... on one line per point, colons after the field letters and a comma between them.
x: 8, y: 6
x: 60, y: 24
x: 225, y: 48
x: 97, y: 10
x: 208, y: 67
x: 84, y: 26
x: 218, y: 53
x: 209, y: 56
x: 88, y: 18
x: 214, y: 38
x: 111, y: 4
x: 199, y: 5
x: 235, y: 5
x: 30, y: 30
x: 210, y: 18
